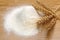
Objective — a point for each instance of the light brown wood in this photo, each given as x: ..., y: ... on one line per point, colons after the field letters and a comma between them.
x: 4, y: 4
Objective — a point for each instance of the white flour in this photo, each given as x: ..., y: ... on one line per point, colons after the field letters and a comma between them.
x: 22, y: 21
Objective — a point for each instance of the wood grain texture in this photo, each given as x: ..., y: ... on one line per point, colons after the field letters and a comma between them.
x: 4, y: 4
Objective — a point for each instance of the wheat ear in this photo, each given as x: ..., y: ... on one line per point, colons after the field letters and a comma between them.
x: 49, y: 19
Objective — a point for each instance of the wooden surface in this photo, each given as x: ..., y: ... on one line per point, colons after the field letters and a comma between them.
x: 4, y: 4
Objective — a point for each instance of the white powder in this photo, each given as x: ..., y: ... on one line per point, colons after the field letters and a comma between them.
x: 22, y: 21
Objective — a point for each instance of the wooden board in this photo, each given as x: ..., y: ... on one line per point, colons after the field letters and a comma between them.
x: 4, y: 4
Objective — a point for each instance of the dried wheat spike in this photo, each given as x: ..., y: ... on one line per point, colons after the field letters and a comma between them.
x: 47, y: 21
x: 51, y: 24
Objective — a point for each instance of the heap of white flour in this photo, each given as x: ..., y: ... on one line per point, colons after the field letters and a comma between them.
x: 22, y: 21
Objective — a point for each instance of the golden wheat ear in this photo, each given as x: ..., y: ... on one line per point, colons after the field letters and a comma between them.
x: 46, y: 20
x: 48, y: 10
x: 56, y: 9
x: 45, y: 9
